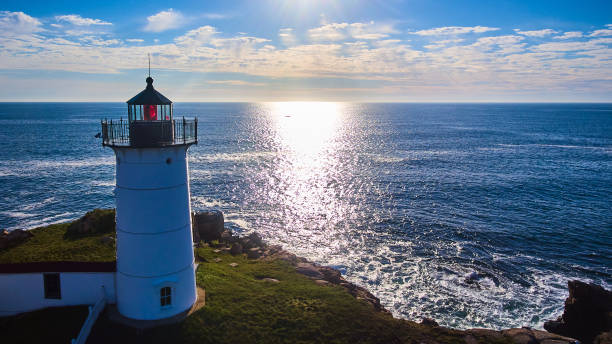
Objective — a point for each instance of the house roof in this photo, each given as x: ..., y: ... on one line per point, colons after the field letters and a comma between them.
x: 16, y: 268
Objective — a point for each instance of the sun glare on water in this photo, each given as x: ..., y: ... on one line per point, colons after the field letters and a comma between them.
x: 308, y: 136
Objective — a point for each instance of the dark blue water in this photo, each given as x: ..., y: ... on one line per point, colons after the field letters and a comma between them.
x: 475, y: 215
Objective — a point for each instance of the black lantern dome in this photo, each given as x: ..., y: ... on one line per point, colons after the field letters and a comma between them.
x: 149, y: 96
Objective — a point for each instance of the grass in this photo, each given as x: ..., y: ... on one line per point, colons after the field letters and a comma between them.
x: 56, y: 243
x: 242, y: 308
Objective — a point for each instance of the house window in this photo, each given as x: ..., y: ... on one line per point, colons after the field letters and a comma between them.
x: 52, y: 286
x: 165, y: 294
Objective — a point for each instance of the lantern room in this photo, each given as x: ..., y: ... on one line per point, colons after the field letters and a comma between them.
x: 149, y: 105
x: 150, y: 123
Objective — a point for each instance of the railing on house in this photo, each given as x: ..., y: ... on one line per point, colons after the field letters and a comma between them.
x: 94, y: 312
x: 143, y: 133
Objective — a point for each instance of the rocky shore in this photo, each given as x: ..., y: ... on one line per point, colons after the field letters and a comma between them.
x: 583, y: 319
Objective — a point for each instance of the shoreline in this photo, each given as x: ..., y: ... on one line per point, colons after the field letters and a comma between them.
x: 210, y: 225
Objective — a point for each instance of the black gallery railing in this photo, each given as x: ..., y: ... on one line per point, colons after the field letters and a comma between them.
x: 142, y: 133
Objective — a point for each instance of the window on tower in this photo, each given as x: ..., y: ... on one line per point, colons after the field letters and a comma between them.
x: 165, y: 294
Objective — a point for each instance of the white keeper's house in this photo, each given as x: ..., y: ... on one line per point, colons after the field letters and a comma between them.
x: 153, y: 276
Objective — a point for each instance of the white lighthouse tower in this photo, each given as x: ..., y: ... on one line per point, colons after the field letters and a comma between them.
x: 155, y: 276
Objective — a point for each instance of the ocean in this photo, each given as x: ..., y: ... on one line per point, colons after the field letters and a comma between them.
x: 475, y: 215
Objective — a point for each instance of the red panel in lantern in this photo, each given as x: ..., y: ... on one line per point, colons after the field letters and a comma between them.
x: 150, y: 112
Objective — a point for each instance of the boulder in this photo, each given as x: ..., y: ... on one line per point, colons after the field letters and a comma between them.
x: 604, y: 338
x: 429, y: 322
x: 226, y: 236
x: 254, y: 253
x: 208, y: 225
x: 236, y: 249
x: 308, y: 270
x: 93, y: 222
x: 13, y: 238
x: 588, y: 312
x: 107, y: 240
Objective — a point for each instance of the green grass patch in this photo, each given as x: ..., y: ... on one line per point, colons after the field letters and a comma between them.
x: 242, y: 308
x: 56, y: 243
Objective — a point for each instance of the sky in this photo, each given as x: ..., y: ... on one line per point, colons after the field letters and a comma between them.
x: 308, y: 50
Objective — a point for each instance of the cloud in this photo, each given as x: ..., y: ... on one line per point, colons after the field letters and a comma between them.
x: 435, y: 64
x: 164, y: 20
x: 329, y: 32
x: 603, y: 32
x: 594, y: 44
x: 287, y: 36
x: 341, y: 31
x: 454, y: 30
x: 77, y: 20
x: 536, y: 33
x: 196, y: 37
x: 370, y: 30
x: 235, y: 83
x: 215, y: 16
x: 569, y: 35
x: 16, y: 23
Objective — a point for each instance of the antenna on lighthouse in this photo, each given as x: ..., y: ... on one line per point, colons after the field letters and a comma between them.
x: 149, y: 64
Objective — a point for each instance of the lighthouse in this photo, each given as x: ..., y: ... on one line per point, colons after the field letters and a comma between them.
x: 155, y: 276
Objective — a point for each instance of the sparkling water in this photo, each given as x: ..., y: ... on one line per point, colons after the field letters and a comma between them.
x: 475, y: 215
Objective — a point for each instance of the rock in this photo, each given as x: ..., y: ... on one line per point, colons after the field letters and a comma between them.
x: 13, y: 238
x: 233, y: 265
x: 256, y: 240
x: 107, y: 240
x: 216, y: 250
x: 321, y: 282
x: 253, y: 253
x: 604, y: 338
x: 331, y: 275
x: 217, y: 260
x: 308, y: 270
x: 520, y: 335
x: 226, y: 236
x: 588, y: 312
x: 208, y: 225
x: 93, y: 222
x: 429, y: 322
x: 270, y: 280
x: 236, y: 249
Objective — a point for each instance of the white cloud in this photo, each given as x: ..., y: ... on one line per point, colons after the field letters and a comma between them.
x: 341, y: 31
x: 134, y: 40
x: 454, y: 30
x: 329, y: 32
x: 603, y: 32
x: 15, y: 23
x: 199, y: 36
x: 164, y: 20
x: 569, y: 35
x: 450, y: 63
x: 76, y: 19
x: 235, y: 83
x: 214, y: 16
x: 287, y: 36
x: 535, y: 33
x: 370, y: 30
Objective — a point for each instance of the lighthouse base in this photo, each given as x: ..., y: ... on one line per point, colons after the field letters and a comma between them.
x: 113, y: 315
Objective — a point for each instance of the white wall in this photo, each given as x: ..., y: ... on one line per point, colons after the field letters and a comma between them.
x: 154, y: 241
x: 26, y: 292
